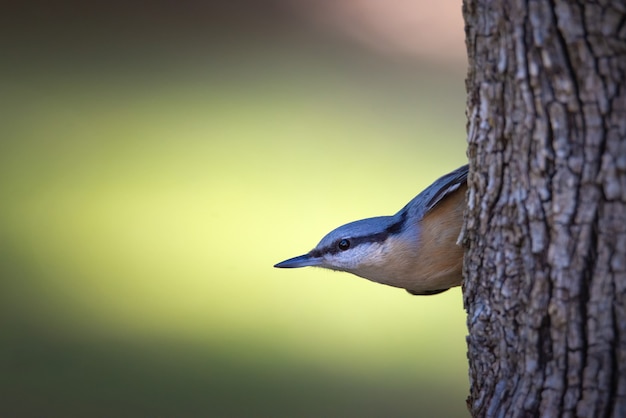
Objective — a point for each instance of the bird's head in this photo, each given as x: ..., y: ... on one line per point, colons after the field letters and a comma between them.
x: 364, y: 248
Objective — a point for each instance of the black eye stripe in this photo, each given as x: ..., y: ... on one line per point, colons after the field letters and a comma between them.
x: 355, y: 241
x: 343, y: 245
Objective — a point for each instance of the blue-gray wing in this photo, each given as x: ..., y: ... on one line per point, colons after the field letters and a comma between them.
x: 434, y: 193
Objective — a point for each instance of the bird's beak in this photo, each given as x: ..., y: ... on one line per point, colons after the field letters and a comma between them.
x: 300, y: 261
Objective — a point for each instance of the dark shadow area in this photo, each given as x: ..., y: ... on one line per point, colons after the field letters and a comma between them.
x: 42, y: 377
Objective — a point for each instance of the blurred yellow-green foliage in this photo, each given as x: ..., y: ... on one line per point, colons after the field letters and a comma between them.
x: 147, y: 190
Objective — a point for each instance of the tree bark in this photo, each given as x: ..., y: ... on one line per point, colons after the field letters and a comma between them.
x: 545, y: 266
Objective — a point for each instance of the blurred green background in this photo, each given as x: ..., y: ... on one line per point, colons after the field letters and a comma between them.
x: 154, y: 165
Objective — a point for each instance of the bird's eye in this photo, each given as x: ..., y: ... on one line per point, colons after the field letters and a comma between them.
x: 343, y: 245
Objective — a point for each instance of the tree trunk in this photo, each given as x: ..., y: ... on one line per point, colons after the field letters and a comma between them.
x: 545, y: 267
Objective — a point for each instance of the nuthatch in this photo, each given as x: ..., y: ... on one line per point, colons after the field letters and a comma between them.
x: 414, y: 249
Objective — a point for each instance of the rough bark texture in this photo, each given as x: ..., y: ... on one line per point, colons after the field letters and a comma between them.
x: 545, y: 268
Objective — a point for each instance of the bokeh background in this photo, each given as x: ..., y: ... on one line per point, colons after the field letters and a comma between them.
x: 157, y: 158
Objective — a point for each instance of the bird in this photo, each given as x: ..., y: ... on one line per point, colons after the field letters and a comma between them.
x: 416, y: 249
